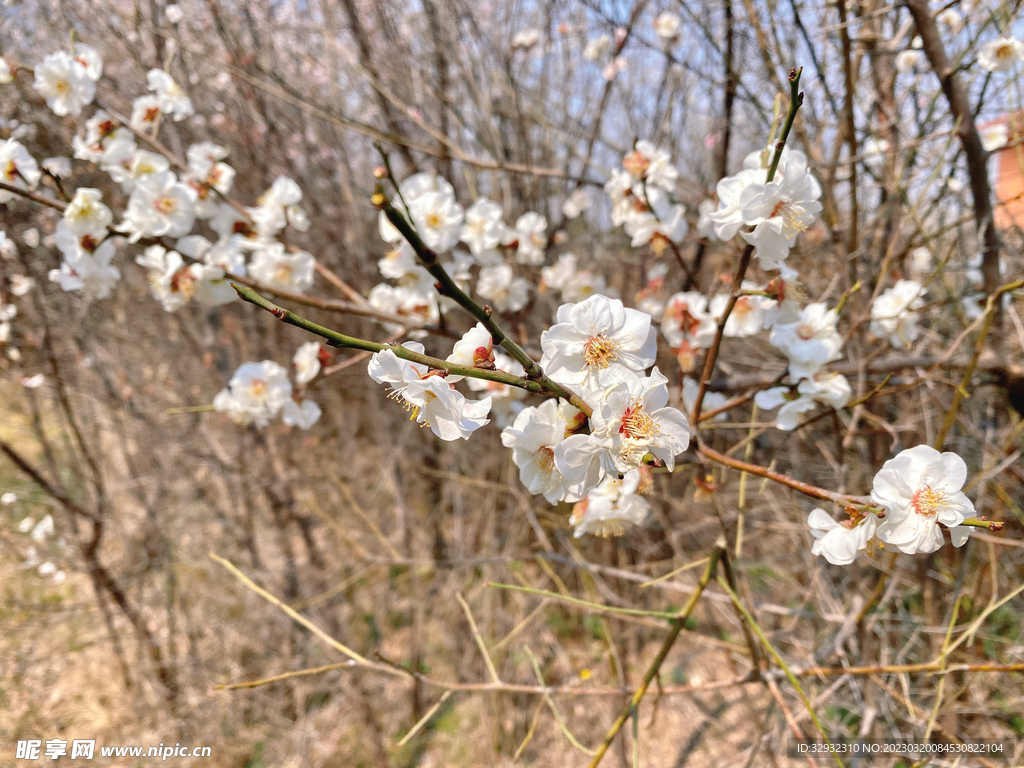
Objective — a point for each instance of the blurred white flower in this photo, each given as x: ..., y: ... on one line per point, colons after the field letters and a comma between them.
x: 577, y: 202
x: 174, y: 13
x: 596, y: 47
x: 1001, y: 54
x: 810, y: 342
x: 526, y: 38
x: 893, y: 313
x: 438, y: 219
x: 302, y: 415
x: 9, y: 498
x: 832, y: 389
x: 57, y: 166
x: 994, y: 136
x: 87, y: 215
x: 172, y: 282
x: 484, y: 228
x: 611, y: 506
x: 306, y: 362
x: 874, y: 151
x: 5, y: 72
x: 159, y: 205
x: 30, y: 237
x: 20, y: 285
x: 504, y: 292
x: 273, y: 266
x: 951, y: 20
x: 171, y: 99
x: 711, y: 401
x: 667, y: 25
x: 89, y: 58
x: 17, y: 168
x: 907, y: 60
x: 43, y: 529
x: 86, y: 269
x: 705, y: 225
x: 531, y: 229
x: 64, y: 83
x: 255, y: 394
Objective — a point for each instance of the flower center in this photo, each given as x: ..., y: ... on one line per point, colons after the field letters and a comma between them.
x: 600, y: 351
x: 164, y: 204
x: 283, y: 274
x: 258, y: 389
x: 184, y: 282
x: 805, y: 331
x: 544, y: 458
x: 62, y: 87
x: 637, y: 423
x: 794, y: 218
x: 928, y: 502
x: 433, y: 221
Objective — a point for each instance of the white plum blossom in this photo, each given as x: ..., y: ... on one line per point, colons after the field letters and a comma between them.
x: 667, y: 25
x: 994, y: 136
x: 89, y: 58
x: 908, y: 59
x: 593, y: 338
x: 810, y: 342
x: 838, y: 542
x: 5, y: 72
x: 630, y: 420
x: 21, y: 284
x: 728, y: 217
x: 873, y: 150
x: 271, y: 212
x: 145, y: 111
x: 172, y: 282
x: 87, y: 215
x: 705, y: 225
x: 474, y: 350
x: 531, y: 234
x: 86, y: 269
x: 57, y: 166
x: 17, y: 168
x: 1001, y: 54
x: 596, y: 47
x: 747, y: 316
x: 159, y: 205
x: 659, y: 223
x: 204, y: 162
x: 306, y: 362
x: 505, y: 292
x: 433, y: 401
x: 648, y: 163
x: 212, y: 287
x: 920, y: 490
x: 711, y: 401
x: 7, y: 313
x: 255, y: 394
x: 611, y: 506
x: 576, y: 203
x: 832, y: 389
x: 172, y: 100
x: 302, y: 415
x: 483, y: 228
x: 574, y: 285
x: 951, y: 20
x: 893, y: 313
x: 271, y: 265
x: 533, y: 438
x: 687, y: 326
x: 526, y: 38
x: 438, y: 219
x: 64, y: 83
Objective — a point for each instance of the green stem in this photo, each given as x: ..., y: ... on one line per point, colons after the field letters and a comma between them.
x: 652, y: 671
x: 795, y: 100
x: 336, y: 339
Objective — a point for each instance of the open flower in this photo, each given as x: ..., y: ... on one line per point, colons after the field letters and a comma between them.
x: 839, y: 542
x: 687, y: 326
x: 594, y: 337
x: 506, y: 292
x: 438, y: 219
x: 256, y: 393
x: 172, y: 282
x: 533, y: 437
x: 273, y: 266
x: 832, y: 389
x: 612, y: 505
x: 64, y: 83
x: 1001, y: 54
x: 630, y: 420
x: 920, y: 490
x: 531, y: 234
x: 87, y: 215
x: 159, y: 205
x: 302, y: 415
x: 17, y: 168
x: 893, y: 315
x: 307, y: 362
x: 171, y: 99
x: 810, y: 342
x: 483, y: 227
